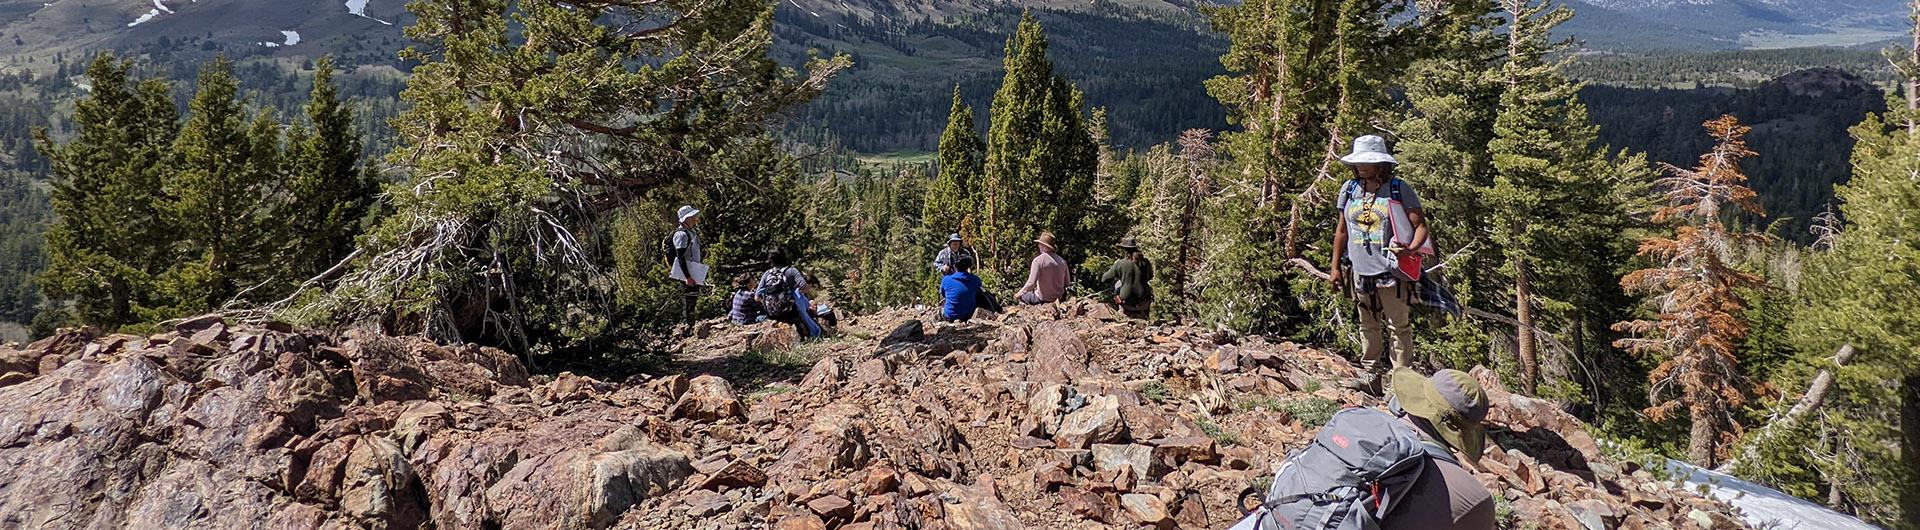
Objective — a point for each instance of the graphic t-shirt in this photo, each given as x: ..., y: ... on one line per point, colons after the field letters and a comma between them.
x: 1375, y: 223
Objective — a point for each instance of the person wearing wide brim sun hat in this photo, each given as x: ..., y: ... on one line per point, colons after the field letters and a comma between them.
x: 1380, y: 240
x: 1449, y: 410
x: 1047, y: 275
x: 1132, y: 275
x: 688, y: 262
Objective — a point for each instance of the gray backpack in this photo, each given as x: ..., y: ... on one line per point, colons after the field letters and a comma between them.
x: 1354, y: 473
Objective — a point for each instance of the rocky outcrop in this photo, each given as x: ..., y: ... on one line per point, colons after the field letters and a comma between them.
x: 1040, y: 418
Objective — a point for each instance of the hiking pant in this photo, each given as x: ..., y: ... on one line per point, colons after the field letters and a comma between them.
x: 1386, y: 305
x: 803, y: 318
x: 1141, y: 310
x: 689, y: 301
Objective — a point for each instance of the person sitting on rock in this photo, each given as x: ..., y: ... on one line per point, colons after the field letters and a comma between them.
x: 961, y: 290
x: 1131, y: 275
x: 744, y: 309
x: 1047, y: 276
x: 956, y: 247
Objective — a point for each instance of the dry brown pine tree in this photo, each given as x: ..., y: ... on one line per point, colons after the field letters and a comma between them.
x: 1697, y: 293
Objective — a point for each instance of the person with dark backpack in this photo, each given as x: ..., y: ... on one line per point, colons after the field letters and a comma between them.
x: 1369, y: 469
x: 686, y: 262
x: 781, y: 295
x: 1380, y: 242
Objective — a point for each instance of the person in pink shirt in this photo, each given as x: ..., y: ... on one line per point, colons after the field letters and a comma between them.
x: 1047, y: 276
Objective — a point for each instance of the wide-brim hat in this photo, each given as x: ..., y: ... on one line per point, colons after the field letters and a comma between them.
x: 954, y: 237
x: 1451, y: 401
x: 1046, y: 238
x: 1369, y: 149
x: 688, y: 212
x: 1129, y: 243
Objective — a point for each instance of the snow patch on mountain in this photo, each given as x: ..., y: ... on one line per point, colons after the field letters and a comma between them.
x: 159, y: 8
x: 1765, y: 507
x: 358, y: 8
x: 293, y: 37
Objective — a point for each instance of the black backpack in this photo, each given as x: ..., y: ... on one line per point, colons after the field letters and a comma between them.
x: 775, y: 293
x: 667, y: 251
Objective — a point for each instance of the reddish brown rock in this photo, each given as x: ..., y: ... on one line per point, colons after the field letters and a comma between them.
x: 1059, y: 355
x: 1097, y: 422
x: 709, y: 398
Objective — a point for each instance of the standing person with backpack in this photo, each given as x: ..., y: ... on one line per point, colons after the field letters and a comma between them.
x: 686, y: 262
x: 1373, y: 469
x: 781, y: 294
x: 1131, y: 276
x: 1379, y: 242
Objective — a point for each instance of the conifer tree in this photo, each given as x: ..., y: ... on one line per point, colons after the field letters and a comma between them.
x: 328, y: 194
x: 951, y: 202
x: 1173, y: 189
x: 1558, y: 205
x: 1862, y: 443
x: 1696, y: 291
x: 108, y: 239
x: 224, y: 168
x: 528, y: 121
x: 1040, y: 159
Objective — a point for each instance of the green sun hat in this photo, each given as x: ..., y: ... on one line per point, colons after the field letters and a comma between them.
x: 1451, y: 401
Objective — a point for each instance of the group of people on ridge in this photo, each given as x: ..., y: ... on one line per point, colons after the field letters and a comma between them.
x: 1048, y: 276
x: 1416, y: 476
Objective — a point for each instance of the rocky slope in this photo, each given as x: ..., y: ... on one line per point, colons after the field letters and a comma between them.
x: 1058, y: 418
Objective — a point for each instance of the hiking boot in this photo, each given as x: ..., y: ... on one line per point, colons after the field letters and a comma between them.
x: 1372, y: 375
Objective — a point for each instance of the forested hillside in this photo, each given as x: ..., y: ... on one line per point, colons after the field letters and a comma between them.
x: 1800, y: 126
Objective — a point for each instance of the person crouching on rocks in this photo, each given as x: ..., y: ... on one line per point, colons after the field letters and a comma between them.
x: 1132, y: 274
x: 961, y: 290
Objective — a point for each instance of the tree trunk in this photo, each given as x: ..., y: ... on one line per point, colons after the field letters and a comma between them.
x: 1523, y: 333
x: 1910, y: 448
x: 1705, y: 434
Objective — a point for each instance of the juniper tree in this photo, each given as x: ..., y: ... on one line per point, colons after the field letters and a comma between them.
x: 1040, y: 160
x: 1696, y: 291
x: 224, y: 169
x: 328, y: 194
x: 528, y: 120
x: 951, y: 204
x: 108, y: 239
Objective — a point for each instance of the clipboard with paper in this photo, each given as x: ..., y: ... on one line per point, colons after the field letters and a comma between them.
x: 699, y: 271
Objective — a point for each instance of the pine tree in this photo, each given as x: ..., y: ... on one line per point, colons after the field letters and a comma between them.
x: 108, y: 239
x: 1559, y: 206
x: 527, y: 122
x: 1040, y: 163
x: 328, y: 195
x: 951, y: 202
x: 1173, y: 189
x: 225, y: 169
x: 1697, y: 292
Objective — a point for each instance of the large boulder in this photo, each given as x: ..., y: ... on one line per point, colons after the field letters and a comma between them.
x: 709, y: 398
x: 1097, y: 422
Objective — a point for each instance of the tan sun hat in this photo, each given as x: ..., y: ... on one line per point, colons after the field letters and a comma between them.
x: 1046, y: 238
x: 1451, y: 401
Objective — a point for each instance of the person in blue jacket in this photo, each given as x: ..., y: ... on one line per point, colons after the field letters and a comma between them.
x: 961, y: 289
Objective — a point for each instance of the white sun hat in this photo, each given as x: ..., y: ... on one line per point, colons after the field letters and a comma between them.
x: 1369, y: 149
x: 688, y: 211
